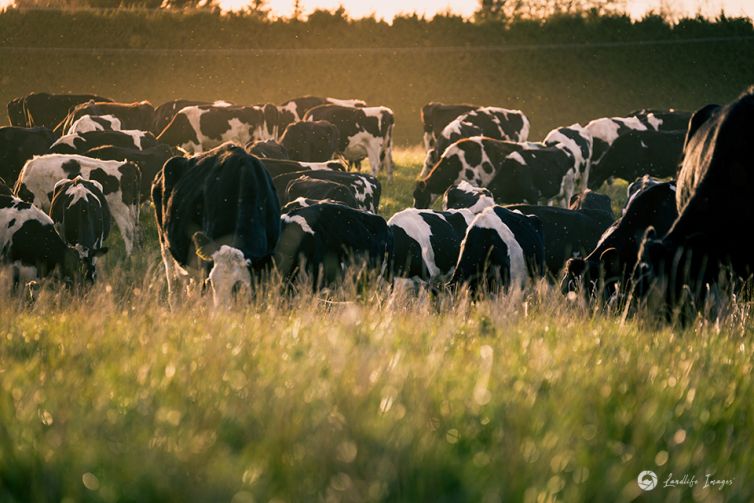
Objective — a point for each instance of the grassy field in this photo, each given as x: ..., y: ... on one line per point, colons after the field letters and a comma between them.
x: 364, y: 394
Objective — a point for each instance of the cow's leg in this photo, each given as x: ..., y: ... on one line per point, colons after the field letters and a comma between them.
x: 373, y: 153
x: 124, y: 219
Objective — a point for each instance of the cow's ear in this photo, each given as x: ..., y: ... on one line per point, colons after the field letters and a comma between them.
x: 697, y: 119
x: 205, y: 247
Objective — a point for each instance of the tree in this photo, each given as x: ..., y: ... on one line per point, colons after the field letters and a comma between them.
x: 498, y: 10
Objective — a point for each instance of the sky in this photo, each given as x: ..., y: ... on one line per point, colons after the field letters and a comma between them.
x: 387, y: 9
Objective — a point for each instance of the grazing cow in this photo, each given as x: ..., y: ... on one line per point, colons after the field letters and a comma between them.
x: 164, y: 113
x: 120, y: 183
x: 31, y: 246
x: 315, y: 141
x: 268, y: 149
x: 78, y: 143
x: 137, y: 116
x: 608, y: 266
x: 323, y: 239
x: 294, y: 110
x: 657, y: 153
x: 18, y: 145
x: 87, y: 123
x: 364, y: 133
x: 467, y: 196
x: 303, y: 202
x: 16, y: 113
x: 663, y: 120
x: 220, y: 207
x: 276, y: 167
x: 149, y: 160
x: 198, y: 128
x: 638, y: 186
x: 435, y: 116
x: 316, y: 189
x: 552, y: 173
x: 590, y: 200
x: 366, y: 189
x: 48, y: 110
x: 713, y: 201
x: 470, y: 159
x: 567, y: 233
x: 492, y: 122
x: 426, y: 243
x: 82, y: 218
x: 501, y: 249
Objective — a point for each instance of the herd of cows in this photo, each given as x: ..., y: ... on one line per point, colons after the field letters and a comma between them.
x: 239, y: 191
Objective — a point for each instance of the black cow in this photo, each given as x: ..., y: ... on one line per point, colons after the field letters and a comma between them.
x: 366, y: 189
x: 47, y: 110
x: 638, y: 186
x: 16, y: 114
x: 435, y: 116
x: 567, y: 233
x: 31, y: 246
x: 294, y: 109
x: 78, y: 143
x: 18, y: 145
x: 501, y: 249
x: 365, y: 132
x: 198, y: 128
x: 316, y: 189
x: 657, y: 153
x: 323, y: 239
x: 268, y: 149
x: 590, y: 200
x: 138, y: 115
x: 219, y: 206
x: 164, y: 113
x: 426, y: 243
x: 82, y: 217
x: 315, y: 141
x: 5, y: 190
x: 608, y: 266
x: 714, y: 204
x: 149, y: 160
x: 492, y: 122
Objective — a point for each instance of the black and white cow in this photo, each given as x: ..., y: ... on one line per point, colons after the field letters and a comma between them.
x: 294, y: 109
x: 470, y: 159
x: 149, y: 160
x: 164, y: 113
x: 467, y: 196
x: 567, y: 233
x: 714, y: 201
x: 491, y: 122
x: 31, y: 246
x: 303, y: 202
x: 657, y: 153
x: 366, y: 189
x: 78, y: 143
x: 120, y: 181
x: 316, y: 189
x: 607, y: 267
x: 198, y: 128
x: 82, y: 218
x: 18, y: 145
x: 435, y: 116
x: 220, y: 207
x: 268, y: 149
x: 47, y: 110
x: 365, y: 132
x: 314, y: 141
x: 501, y: 249
x: 277, y: 167
x: 426, y: 243
x: 638, y: 186
x: 138, y: 115
x: 87, y: 123
x: 324, y: 239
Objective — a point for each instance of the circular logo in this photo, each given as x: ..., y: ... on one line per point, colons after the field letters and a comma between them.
x: 647, y: 480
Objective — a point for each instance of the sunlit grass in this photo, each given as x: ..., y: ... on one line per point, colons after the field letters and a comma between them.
x: 362, y: 394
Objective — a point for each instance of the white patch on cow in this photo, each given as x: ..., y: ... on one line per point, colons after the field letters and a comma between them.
x: 136, y: 136
x: 364, y: 144
x: 632, y: 123
x: 40, y: 174
x: 322, y: 165
x: 516, y: 156
x: 412, y: 223
x: 346, y: 103
x: 298, y: 220
x: 488, y: 219
x: 654, y: 121
x: 606, y: 129
x: 18, y: 216
x: 221, y: 103
x: 483, y: 200
x: 67, y: 139
x: 87, y: 123
x: 230, y: 268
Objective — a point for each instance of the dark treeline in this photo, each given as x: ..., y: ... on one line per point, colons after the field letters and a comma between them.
x: 528, y: 65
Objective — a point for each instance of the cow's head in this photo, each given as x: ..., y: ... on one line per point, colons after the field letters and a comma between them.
x: 422, y: 195
x: 229, y: 268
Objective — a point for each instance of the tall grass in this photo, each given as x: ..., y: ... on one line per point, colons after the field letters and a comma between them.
x: 362, y: 394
